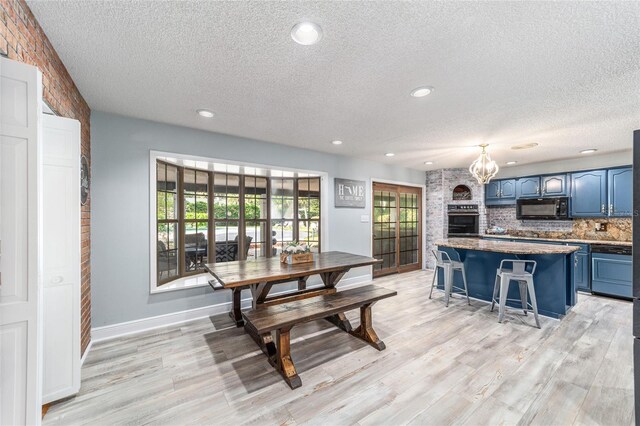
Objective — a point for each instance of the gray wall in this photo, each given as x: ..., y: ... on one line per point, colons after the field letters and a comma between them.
x: 120, y: 207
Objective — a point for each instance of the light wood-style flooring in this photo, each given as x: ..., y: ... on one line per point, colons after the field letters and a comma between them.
x: 454, y: 365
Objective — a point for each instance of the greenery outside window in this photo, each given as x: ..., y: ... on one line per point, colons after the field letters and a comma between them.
x: 205, y: 217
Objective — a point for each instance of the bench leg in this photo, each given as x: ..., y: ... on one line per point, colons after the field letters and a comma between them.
x: 264, y: 341
x: 340, y: 320
x: 365, y: 331
x: 236, y: 313
x: 283, y: 361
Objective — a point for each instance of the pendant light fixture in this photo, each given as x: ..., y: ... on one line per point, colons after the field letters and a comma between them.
x: 484, y: 168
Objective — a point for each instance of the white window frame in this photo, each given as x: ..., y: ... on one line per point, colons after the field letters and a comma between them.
x: 202, y: 280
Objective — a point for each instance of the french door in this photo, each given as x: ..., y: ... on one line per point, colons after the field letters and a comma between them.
x: 397, y: 228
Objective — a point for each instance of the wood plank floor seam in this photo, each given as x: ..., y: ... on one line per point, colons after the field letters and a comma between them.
x: 442, y: 365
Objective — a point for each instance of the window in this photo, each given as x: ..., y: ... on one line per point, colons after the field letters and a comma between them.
x: 196, y: 220
x: 308, y: 208
x: 282, y: 213
x: 167, y: 222
x: 226, y: 206
x: 255, y: 215
x: 209, y: 216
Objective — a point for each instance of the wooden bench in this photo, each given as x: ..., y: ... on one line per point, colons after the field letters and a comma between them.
x: 260, y: 322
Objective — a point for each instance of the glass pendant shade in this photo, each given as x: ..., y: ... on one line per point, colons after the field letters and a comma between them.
x: 484, y: 168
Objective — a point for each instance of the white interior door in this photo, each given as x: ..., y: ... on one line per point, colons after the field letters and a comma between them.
x: 61, y: 257
x: 20, y: 248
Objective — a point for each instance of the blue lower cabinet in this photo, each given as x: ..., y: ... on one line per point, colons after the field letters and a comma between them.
x: 611, y: 274
x: 581, y: 272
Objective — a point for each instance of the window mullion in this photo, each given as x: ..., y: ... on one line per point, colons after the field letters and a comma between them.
x: 211, y: 232
x: 295, y: 210
x: 241, y: 220
x: 181, y: 225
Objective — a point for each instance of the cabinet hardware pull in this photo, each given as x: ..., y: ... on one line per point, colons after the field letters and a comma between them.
x: 602, y: 208
x: 610, y: 208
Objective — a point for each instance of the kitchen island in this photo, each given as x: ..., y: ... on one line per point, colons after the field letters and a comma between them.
x: 555, y: 291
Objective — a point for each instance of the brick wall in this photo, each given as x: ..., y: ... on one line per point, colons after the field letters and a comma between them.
x: 22, y: 39
x: 440, y: 184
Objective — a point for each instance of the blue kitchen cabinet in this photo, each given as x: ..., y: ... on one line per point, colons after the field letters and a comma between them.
x: 500, y: 192
x: 620, y: 191
x: 582, y: 267
x: 589, y: 194
x: 554, y: 185
x: 611, y: 274
x: 528, y: 187
x: 581, y: 272
x: 508, y: 189
x: 492, y: 190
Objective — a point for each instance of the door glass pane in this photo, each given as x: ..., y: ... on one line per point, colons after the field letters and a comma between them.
x: 384, y: 230
x: 408, y: 218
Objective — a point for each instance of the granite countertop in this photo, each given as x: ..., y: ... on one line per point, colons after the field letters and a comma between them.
x: 505, y: 246
x: 564, y: 240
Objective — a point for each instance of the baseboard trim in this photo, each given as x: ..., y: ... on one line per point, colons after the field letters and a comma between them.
x: 108, y: 332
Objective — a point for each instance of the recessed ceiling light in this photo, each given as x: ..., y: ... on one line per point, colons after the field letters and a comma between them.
x: 525, y: 146
x: 420, y: 92
x: 205, y: 113
x: 389, y: 154
x: 306, y: 33
x: 336, y: 142
x: 511, y: 163
x: 428, y: 163
x: 588, y: 151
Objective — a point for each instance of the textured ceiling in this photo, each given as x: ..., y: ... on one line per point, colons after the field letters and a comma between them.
x: 564, y: 75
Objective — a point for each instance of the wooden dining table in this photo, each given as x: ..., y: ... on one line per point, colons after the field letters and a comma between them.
x: 260, y: 275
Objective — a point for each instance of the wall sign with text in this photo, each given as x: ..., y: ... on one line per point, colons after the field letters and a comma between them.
x: 350, y: 193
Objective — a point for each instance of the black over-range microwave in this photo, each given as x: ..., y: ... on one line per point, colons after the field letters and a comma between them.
x: 543, y: 209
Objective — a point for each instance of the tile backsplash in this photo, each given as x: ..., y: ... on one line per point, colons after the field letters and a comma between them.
x: 618, y: 229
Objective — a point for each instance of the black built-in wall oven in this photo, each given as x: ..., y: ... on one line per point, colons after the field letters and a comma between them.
x: 464, y: 220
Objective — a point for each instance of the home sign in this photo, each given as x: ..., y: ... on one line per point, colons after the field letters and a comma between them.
x: 350, y: 193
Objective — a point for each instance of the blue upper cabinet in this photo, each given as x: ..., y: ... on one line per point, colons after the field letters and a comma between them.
x: 492, y: 190
x: 554, y: 186
x: 528, y: 187
x: 508, y: 189
x: 620, y: 182
x: 500, y: 192
x: 589, y: 194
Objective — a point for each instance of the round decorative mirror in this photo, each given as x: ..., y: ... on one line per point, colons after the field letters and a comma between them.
x: 84, y: 180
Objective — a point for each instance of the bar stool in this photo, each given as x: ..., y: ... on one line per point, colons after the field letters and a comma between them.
x: 522, y: 272
x: 449, y: 266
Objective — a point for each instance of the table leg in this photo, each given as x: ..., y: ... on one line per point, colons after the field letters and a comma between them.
x: 259, y: 293
x: 365, y: 330
x: 302, y: 283
x: 236, y: 313
x: 330, y: 280
x: 283, y: 361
